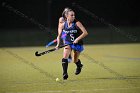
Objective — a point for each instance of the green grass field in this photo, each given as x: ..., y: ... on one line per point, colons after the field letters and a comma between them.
x: 112, y: 68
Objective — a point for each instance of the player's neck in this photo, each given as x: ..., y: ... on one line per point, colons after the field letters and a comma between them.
x: 69, y: 23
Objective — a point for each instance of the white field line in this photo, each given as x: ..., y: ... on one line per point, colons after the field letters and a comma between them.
x: 60, y: 91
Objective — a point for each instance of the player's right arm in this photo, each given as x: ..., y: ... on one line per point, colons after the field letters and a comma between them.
x: 60, y: 28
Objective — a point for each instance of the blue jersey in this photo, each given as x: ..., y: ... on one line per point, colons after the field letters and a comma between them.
x: 71, y: 33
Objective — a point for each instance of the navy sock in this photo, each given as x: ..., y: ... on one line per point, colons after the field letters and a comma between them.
x: 65, y: 65
x: 78, y: 64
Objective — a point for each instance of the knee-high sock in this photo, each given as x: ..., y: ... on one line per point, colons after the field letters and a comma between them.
x: 78, y: 64
x: 65, y: 65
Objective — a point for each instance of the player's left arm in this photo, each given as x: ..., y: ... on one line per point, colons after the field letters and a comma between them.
x: 84, y: 32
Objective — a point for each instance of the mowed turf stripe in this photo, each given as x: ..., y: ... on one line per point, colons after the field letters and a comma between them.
x: 121, y: 57
x: 32, y: 65
x: 118, y: 75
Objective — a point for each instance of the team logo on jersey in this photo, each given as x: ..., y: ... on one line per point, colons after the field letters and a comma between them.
x: 70, y: 31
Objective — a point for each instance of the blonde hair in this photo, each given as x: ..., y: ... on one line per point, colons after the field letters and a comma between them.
x: 65, y: 12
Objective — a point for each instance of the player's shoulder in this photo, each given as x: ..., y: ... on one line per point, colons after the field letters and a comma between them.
x: 77, y: 22
x: 61, y: 20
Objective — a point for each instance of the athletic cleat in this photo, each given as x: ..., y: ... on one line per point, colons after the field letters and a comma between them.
x: 78, y: 69
x: 65, y: 76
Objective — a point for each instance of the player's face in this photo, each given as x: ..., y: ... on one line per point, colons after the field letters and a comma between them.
x: 71, y: 16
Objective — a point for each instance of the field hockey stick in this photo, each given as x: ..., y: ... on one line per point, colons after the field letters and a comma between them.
x: 50, y: 50
x: 50, y: 43
x: 54, y: 41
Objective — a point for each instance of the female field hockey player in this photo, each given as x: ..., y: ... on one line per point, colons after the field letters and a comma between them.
x: 61, y: 21
x: 75, y: 32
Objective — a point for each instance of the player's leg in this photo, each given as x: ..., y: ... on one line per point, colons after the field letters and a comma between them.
x: 70, y: 58
x: 66, y: 53
x: 70, y: 55
x: 77, y: 62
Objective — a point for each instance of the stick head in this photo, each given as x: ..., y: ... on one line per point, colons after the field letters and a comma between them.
x: 37, y: 54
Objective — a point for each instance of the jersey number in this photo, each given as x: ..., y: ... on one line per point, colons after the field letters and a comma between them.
x: 72, y: 37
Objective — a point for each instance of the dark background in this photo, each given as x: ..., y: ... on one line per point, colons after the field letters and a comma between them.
x: 20, y: 31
